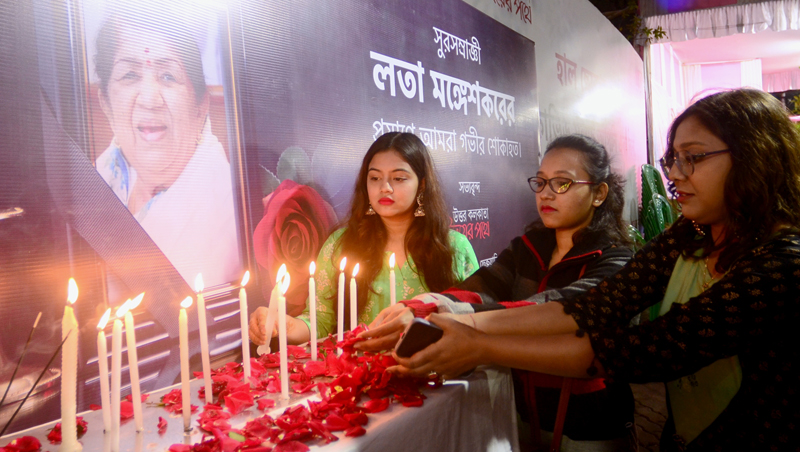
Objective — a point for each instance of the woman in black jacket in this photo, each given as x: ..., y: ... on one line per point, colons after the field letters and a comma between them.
x: 579, y: 240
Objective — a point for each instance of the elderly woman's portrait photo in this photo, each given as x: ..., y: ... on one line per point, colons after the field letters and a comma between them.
x: 159, y: 130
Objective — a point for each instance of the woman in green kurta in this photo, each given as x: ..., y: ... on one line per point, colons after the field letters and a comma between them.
x: 397, y: 208
x: 409, y: 283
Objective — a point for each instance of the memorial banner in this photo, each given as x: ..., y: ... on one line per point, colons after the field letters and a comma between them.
x: 151, y: 142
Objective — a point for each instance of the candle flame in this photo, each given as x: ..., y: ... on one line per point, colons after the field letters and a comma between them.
x: 312, y: 267
x: 281, y: 272
x: 246, y: 278
x: 355, y: 271
x: 104, y: 319
x: 284, y: 284
x: 391, y: 261
x: 123, y: 309
x: 72, y: 291
x: 198, y: 283
x: 135, y: 302
x: 186, y: 302
x: 342, y: 264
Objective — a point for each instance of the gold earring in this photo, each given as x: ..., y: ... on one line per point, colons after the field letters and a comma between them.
x: 370, y: 210
x: 419, y: 212
x: 699, y: 228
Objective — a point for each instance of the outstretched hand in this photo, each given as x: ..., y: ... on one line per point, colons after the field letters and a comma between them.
x: 457, y: 352
x: 384, y: 332
x: 258, y: 331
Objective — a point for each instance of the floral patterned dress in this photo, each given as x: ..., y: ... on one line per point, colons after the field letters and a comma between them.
x: 750, y: 313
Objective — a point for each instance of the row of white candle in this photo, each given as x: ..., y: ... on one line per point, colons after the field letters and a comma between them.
x: 111, y: 418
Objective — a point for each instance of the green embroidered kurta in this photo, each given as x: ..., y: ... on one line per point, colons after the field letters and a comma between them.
x: 409, y: 283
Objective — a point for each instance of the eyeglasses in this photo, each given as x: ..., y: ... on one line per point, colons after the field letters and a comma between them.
x: 559, y: 185
x: 685, y: 161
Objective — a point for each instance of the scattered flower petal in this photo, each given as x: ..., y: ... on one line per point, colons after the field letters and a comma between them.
x: 162, y: 425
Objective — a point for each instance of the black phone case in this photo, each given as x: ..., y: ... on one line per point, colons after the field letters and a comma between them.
x: 419, y: 334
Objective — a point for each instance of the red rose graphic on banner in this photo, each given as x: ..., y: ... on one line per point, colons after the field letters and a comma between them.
x: 296, y: 223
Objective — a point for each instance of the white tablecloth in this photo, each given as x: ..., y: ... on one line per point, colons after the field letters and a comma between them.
x: 473, y: 414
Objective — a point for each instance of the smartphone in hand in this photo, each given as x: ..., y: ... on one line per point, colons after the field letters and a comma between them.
x: 419, y: 334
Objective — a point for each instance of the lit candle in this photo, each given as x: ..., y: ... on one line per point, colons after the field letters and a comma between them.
x: 204, y: 354
x: 183, y: 333
x: 272, y: 311
x: 243, y: 321
x: 133, y: 362
x: 284, y: 286
x: 102, y: 361
x: 116, y: 368
x: 340, y: 301
x: 312, y: 309
x: 392, y: 282
x: 353, y: 299
x: 69, y: 373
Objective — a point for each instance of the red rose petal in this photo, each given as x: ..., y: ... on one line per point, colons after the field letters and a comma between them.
x: 314, y: 368
x: 125, y: 410
x: 356, y: 418
x: 180, y: 448
x: 355, y: 431
x: 162, y: 425
x: 55, y: 434
x: 265, y: 403
x: 336, y: 423
x: 238, y: 401
x: 376, y: 405
x: 81, y: 425
x: 298, y: 434
x: 291, y: 446
x: 23, y: 444
x: 297, y: 352
x: 274, y: 386
x: 302, y: 388
x: 256, y: 369
x: 94, y: 407
x: 412, y: 402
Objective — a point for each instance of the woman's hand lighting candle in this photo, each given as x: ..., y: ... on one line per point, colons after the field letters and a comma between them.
x: 272, y: 312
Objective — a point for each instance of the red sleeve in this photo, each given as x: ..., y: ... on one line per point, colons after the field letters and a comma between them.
x: 420, y: 309
x: 463, y: 295
x: 516, y: 304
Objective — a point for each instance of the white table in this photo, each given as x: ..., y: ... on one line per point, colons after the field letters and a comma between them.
x: 473, y: 414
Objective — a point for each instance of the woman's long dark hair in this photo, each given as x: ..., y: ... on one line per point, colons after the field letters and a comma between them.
x: 607, y: 223
x: 427, y: 240
x: 762, y: 190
